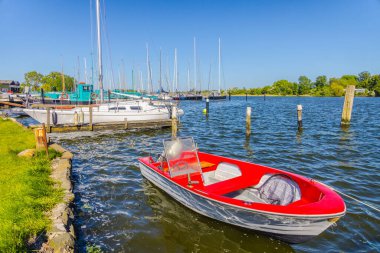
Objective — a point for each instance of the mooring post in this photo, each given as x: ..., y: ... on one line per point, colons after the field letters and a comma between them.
x: 207, y: 105
x: 229, y: 95
x: 48, y: 119
x: 265, y: 96
x: 41, y: 139
x: 248, y: 122
x: 91, y: 127
x: 299, y: 116
x: 125, y: 123
x: 76, y: 118
x: 246, y: 96
x: 174, y: 122
x: 348, y: 104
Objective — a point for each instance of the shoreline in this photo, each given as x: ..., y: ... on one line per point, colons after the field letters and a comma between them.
x: 59, y: 234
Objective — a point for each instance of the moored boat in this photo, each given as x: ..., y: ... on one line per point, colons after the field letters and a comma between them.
x: 134, y: 110
x: 284, y: 205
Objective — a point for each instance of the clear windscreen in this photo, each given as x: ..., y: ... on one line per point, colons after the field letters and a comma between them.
x: 182, y: 156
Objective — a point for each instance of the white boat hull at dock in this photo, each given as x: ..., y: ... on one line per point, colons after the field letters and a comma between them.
x: 105, y: 113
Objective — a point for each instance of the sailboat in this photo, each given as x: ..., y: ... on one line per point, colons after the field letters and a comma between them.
x: 218, y: 95
x: 134, y: 110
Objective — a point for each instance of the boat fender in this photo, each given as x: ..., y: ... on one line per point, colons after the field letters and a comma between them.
x: 54, y: 117
x: 76, y: 118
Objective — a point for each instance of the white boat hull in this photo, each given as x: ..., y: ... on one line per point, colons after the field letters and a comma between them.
x: 101, y: 114
x: 292, y: 229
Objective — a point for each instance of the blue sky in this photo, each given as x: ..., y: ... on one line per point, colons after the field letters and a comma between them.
x: 262, y: 41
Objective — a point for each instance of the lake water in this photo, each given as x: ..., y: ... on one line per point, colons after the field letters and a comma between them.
x: 118, y: 210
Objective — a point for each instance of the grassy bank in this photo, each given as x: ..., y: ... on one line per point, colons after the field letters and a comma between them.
x: 26, y: 190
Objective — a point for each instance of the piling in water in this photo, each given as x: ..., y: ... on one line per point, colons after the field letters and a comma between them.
x: 246, y: 96
x: 229, y: 95
x: 174, y: 122
x: 348, y: 104
x: 248, y: 122
x: 299, y: 117
x: 76, y: 119
x: 48, y: 119
x: 207, y: 105
x: 90, y: 123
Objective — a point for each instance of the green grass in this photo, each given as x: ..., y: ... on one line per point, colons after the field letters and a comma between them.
x: 26, y: 191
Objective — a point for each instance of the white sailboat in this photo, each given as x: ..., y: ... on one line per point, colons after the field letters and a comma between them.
x: 135, y: 110
x: 218, y: 95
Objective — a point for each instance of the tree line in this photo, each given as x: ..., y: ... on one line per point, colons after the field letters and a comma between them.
x: 322, y: 86
x: 50, y: 82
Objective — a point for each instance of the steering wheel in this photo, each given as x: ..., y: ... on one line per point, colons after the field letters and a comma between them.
x: 181, y: 165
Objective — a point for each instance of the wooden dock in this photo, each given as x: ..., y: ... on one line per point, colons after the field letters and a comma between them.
x: 142, y: 124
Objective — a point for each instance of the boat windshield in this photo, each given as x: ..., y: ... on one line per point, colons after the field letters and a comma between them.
x: 182, y: 156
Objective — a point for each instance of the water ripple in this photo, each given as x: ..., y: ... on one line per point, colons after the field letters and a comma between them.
x: 120, y: 211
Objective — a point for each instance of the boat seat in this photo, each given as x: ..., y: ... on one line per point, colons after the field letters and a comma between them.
x: 223, y: 171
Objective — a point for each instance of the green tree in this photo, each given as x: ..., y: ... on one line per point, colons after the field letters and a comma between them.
x: 364, y: 79
x: 348, y: 80
x: 53, y: 82
x: 304, y: 85
x: 33, y: 79
x: 284, y: 87
x: 337, y: 89
x: 374, y: 84
x: 320, y: 81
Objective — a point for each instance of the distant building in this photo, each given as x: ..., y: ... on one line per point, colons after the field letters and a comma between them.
x: 9, y: 86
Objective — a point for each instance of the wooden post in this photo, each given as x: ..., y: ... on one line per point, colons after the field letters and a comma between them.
x: 265, y: 96
x: 174, y: 122
x: 125, y: 123
x: 207, y: 105
x: 41, y: 139
x: 248, y: 122
x: 246, y: 96
x: 348, y: 104
x: 48, y: 119
x: 76, y: 118
x: 299, y: 116
x: 229, y: 95
x: 91, y: 127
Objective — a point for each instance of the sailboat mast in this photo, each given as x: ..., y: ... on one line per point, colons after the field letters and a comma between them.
x: 195, y: 66
x: 63, y: 80
x: 219, y: 67
x: 160, y: 72
x: 148, y: 67
x: 100, y: 66
x: 188, y: 79
x: 85, y: 70
x: 175, y: 72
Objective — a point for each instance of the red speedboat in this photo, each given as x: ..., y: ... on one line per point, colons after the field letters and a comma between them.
x: 284, y: 205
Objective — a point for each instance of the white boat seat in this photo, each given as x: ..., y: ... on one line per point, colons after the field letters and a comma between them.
x: 223, y: 171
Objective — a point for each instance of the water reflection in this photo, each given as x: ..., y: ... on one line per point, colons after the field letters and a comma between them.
x: 185, y: 229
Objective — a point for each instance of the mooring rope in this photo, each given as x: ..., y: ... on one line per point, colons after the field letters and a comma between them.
x: 353, y: 198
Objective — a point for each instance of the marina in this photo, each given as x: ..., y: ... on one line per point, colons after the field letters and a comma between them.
x: 118, y: 209
x: 143, y: 135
